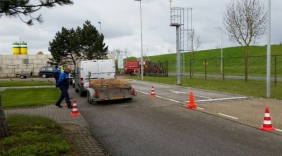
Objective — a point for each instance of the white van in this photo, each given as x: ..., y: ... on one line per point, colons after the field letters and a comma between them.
x: 98, y: 68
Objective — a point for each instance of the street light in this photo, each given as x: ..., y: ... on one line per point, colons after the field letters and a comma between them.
x: 221, y: 49
x: 142, y: 65
x: 268, y: 59
x: 100, y: 27
x: 147, y: 51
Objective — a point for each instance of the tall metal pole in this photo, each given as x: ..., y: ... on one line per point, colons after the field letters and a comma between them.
x: 142, y: 65
x: 178, y: 56
x: 100, y: 28
x: 221, y: 48
x: 268, y: 51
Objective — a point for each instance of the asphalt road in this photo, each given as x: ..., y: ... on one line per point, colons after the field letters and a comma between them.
x: 181, y: 94
x: 157, y: 126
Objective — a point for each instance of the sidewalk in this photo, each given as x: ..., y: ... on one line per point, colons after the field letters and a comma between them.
x: 75, y: 127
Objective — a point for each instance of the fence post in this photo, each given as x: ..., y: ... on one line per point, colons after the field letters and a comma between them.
x: 190, y: 69
x: 223, y: 68
x: 275, y: 70
x: 205, y: 68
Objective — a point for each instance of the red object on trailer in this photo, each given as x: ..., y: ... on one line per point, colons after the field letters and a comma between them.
x: 132, y: 65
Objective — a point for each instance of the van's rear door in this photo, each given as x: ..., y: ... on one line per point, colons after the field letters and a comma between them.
x: 92, y: 67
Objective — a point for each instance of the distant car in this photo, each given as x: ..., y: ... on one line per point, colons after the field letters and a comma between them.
x: 46, y: 71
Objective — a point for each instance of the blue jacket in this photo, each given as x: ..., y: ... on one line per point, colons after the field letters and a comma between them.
x: 57, y: 72
x: 63, y: 80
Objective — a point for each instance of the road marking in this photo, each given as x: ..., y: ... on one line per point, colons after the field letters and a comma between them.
x: 279, y: 130
x: 228, y: 116
x: 200, y: 108
x: 142, y: 92
x: 203, y: 97
x: 220, y: 99
x: 160, y: 97
x: 178, y: 92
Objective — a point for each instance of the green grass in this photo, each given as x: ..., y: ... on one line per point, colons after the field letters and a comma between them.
x: 234, y: 61
x: 32, y: 136
x: 255, y: 88
x: 5, y: 83
x: 29, y: 97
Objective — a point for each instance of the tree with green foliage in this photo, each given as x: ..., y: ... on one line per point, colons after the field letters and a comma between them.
x: 68, y: 46
x: 16, y: 8
x: 40, y: 53
x: 245, y: 21
x: 64, y: 47
x: 92, y: 42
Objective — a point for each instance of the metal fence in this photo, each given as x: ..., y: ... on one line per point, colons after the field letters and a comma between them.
x: 231, y: 66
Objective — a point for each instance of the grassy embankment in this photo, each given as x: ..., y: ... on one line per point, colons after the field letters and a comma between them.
x: 32, y: 135
x: 234, y: 61
x: 233, y: 65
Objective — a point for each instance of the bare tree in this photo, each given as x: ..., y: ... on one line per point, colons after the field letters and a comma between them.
x: 118, y: 52
x: 194, y: 45
x: 127, y: 53
x: 245, y: 21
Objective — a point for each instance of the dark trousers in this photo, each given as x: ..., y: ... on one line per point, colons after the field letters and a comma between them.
x: 56, y: 78
x: 64, y: 94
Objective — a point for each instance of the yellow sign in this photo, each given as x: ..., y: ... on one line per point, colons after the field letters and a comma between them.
x: 205, y: 63
x: 116, y: 97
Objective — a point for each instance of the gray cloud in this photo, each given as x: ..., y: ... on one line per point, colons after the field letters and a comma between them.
x: 120, y: 23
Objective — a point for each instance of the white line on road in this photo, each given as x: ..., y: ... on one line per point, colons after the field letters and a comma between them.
x: 228, y: 116
x: 222, y: 99
x: 161, y: 97
x: 200, y: 108
x: 279, y: 130
x: 203, y: 97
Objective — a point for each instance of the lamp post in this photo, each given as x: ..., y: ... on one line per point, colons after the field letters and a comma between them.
x: 100, y: 27
x: 268, y: 59
x: 142, y: 65
x: 147, y: 51
x: 221, y: 49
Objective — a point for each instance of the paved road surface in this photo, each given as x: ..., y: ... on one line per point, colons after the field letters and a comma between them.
x: 182, y: 94
x: 154, y: 126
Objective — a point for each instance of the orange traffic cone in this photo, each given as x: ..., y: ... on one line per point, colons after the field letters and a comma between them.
x: 153, y: 92
x: 74, y: 111
x: 191, y: 103
x: 267, y: 126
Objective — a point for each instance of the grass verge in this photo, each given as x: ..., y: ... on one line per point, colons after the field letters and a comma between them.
x: 29, y: 97
x: 34, y: 135
x: 255, y: 88
x: 5, y: 83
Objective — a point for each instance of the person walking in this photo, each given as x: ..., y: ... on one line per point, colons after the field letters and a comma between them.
x: 57, y: 73
x: 63, y: 84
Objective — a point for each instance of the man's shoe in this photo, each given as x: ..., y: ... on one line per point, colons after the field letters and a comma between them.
x: 59, y: 106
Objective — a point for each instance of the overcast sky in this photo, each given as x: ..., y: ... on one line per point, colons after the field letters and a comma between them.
x: 120, y: 23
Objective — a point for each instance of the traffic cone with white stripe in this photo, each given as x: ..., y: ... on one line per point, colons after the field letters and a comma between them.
x: 74, y: 111
x: 267, y: 126
x: 153, y: 92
